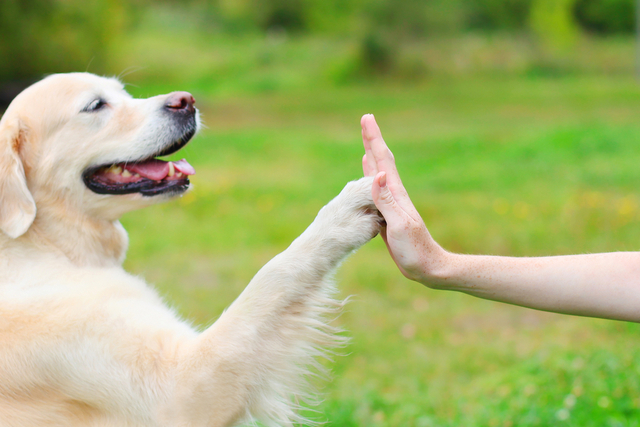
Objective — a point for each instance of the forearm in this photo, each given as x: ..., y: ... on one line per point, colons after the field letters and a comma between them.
x: 256, y: 356
x: 598, y: 285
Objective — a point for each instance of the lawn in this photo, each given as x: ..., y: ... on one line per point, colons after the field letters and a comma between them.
x: 520, y: 164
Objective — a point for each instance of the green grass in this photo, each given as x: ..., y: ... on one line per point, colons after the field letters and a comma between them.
x: 515, y: 165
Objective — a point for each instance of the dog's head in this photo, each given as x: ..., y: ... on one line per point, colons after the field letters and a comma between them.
x: 82, y: 141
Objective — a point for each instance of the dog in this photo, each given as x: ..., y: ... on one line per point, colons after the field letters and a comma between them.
x: 83, y: 343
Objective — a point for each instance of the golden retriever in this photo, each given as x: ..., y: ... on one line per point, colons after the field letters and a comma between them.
x: 83, y: 343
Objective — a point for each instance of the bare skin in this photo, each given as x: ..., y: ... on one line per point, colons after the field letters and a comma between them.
x: 605, y: 285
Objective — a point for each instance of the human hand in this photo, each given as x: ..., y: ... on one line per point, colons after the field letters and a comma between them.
x: 598, y: 285
x: 411, y: 246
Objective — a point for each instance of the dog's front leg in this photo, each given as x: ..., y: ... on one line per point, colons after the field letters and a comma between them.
x: 253, y: 361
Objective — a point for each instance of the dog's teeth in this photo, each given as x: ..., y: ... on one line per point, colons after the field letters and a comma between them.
x: 115, y: 170
x: 172, y: 169
x: 179, y: 174
x: 126, y: 173
x: 136, y: 175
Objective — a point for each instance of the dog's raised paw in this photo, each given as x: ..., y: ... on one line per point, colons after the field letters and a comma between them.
x: 354, y: 213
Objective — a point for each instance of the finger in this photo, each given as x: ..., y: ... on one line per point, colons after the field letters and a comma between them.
x: 372, y: 167
x: 385, y: 161
x: 366, y: 167
x: 384, y: 200
x: 372, y: 138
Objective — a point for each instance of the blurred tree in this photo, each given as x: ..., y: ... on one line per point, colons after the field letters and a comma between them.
x: 45, y: 36
x: 232, y: 16
x: 281, y: 14
x: 497, y: 14
x: 606, y: 16
x: 48, y: 36
x: 377, y: 55
x: 553, y: 24
x: 417, y: 18
x: 390, y: 23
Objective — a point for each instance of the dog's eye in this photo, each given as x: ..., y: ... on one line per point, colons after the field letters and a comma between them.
x: 95, y: 105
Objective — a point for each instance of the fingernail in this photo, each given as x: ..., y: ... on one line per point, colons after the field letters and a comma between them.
x: 383, y: 180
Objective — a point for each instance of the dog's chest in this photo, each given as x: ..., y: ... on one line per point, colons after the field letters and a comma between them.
x: 94, y: 335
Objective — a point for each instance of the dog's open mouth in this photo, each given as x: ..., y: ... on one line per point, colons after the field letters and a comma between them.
x: 148, y: 177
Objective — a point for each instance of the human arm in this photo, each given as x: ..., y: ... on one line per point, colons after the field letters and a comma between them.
x: 599, y: 285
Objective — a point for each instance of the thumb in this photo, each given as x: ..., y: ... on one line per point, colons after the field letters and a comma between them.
x: 384, y: 200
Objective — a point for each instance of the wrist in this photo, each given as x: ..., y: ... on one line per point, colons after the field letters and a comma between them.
x: 438, y: 271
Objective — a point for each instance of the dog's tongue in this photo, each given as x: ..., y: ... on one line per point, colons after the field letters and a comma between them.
x: 184, y: 167
x: 157, y: 170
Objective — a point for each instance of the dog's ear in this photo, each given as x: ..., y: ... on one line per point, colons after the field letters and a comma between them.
x: 17, y: 208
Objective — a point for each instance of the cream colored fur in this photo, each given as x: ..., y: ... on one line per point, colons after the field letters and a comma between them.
x: 83, y: 343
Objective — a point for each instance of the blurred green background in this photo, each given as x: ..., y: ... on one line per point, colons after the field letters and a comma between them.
x: 514, y: 124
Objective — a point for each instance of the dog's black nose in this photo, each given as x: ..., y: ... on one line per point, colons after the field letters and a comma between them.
x: 180, y: 101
